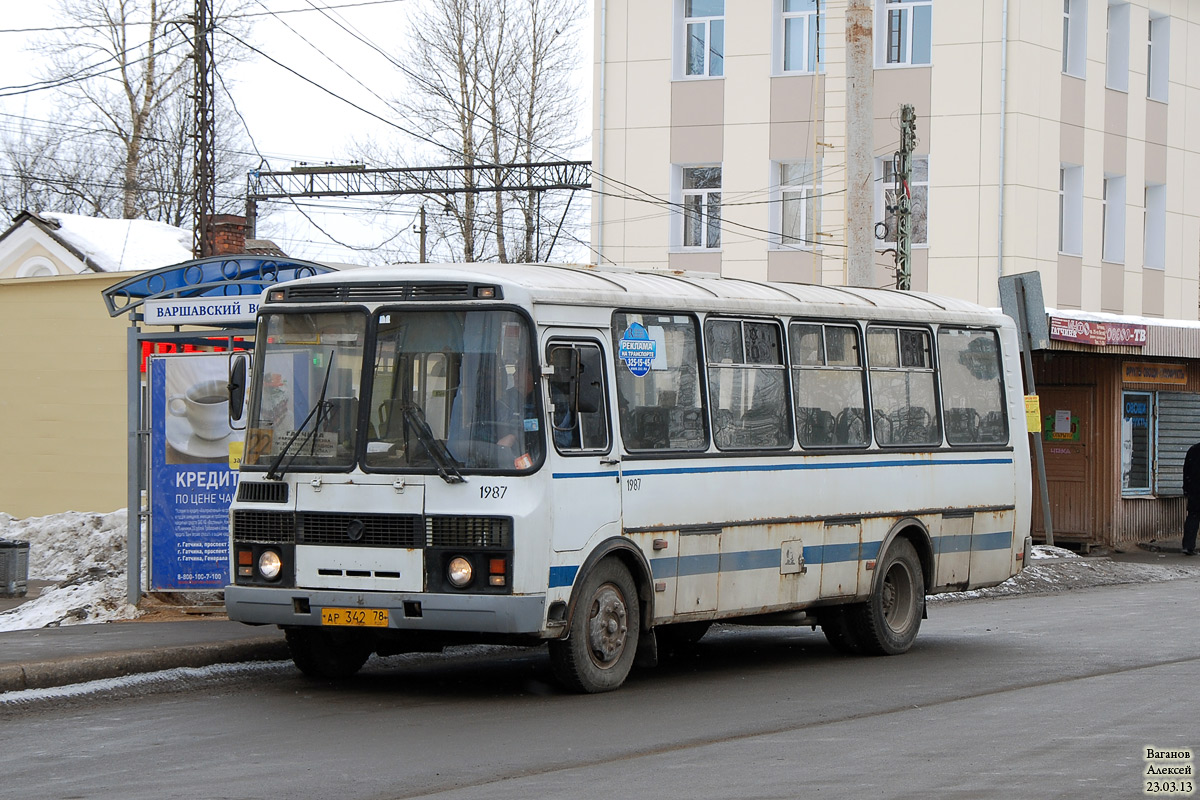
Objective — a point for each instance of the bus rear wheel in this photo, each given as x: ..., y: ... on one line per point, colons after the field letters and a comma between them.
x: 603, y: 634
x: 889, y: 621
x: 328, y: 655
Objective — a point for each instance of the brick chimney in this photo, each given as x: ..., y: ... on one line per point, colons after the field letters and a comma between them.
x: 228, y: 234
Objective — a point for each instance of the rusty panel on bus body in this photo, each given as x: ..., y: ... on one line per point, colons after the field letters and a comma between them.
x: 769, y: 567
x: 952, y: 547
x: 698, y: 568
x: 992, y: 543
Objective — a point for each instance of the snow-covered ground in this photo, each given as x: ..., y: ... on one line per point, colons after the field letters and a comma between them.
x: 84, y: 556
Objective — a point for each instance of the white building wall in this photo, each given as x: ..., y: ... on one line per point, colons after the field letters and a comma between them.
x: 958, y: 101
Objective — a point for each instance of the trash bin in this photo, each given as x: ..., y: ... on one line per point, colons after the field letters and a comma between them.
x: 14, y: 568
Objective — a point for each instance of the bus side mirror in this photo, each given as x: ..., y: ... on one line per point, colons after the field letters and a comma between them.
x: 237, y: 386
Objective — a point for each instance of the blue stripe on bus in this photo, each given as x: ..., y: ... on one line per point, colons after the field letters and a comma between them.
x: 711, y: 563
x: 956, y: 543
x: 778, y: 467
x: 562, y: 576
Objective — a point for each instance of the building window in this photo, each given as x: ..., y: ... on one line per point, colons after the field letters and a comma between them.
x: 704, y: 38
x: 1074, y: 55
x: 1155, y: 256
x: 1070, y: 209
x: 701, y: 191
x: 1117, y: 74
x: 802, y: 26
x: 887, y: 196
x: 905, y: 32
x: 1113, y: 220
x: 799, y: 201
x: 1158, y: 45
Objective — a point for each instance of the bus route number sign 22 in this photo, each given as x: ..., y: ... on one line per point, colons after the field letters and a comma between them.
x: 636, y: 349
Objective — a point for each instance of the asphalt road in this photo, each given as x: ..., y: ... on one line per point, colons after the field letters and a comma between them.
x: 1029, y: 697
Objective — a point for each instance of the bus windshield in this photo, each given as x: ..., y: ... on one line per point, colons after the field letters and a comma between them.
x: 304, y: 410
x: 453, y: 389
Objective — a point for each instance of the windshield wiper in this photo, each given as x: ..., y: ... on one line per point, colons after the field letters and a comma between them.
x: 434, y: 446
x: 318, y: 411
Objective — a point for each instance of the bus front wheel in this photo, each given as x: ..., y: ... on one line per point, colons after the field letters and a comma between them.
x: 328, y: 655
x: 603, y: 635
x: 888, y: 622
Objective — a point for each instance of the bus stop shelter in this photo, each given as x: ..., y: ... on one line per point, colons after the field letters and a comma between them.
x: 205, y: 305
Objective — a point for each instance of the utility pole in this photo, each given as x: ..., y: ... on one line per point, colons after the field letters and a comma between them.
x: 204, y: 132
x: 908, y: 143
x: 860, y: 148
x: 421, y: 231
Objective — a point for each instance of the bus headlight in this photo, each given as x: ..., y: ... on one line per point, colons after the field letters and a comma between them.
x: 460, y: 572
x: 270, y: 565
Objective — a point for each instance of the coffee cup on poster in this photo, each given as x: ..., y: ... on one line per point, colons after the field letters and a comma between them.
x: 206, y: 408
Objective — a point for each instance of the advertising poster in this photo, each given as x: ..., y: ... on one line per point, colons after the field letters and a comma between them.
x: 191, y: 483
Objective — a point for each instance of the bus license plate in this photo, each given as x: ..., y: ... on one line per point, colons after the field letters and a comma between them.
x: 355, y: 617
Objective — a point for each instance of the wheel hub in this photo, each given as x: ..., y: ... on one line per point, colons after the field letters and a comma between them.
x: 608, y: 626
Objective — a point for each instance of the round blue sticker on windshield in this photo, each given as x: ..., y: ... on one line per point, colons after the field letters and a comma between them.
x: 636, y: 349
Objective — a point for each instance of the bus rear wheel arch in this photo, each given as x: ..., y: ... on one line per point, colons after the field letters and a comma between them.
x: 604, y: 628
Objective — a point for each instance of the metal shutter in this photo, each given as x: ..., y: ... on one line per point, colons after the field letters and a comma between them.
x: 1178, y: 429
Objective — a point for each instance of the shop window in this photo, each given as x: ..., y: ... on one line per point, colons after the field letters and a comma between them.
x: 1137, y: 419
x: 1157, y: 428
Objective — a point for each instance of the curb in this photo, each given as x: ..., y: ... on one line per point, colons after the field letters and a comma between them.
x: 64, y: 671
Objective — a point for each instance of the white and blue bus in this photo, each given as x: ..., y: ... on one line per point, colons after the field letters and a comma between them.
x: 606, y: 460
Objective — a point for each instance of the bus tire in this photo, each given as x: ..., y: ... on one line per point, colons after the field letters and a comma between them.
x: 327, y: 655
x: 840, y: 630
x: 603, y: 634
x: 889, y: 621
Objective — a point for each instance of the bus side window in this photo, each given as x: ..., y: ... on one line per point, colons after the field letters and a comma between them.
x: 903, y: 386
x: 972, y: 386
x: 827, y: 379
x: 660, y: 400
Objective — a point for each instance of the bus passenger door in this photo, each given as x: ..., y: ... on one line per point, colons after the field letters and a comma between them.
x: 581, y: 456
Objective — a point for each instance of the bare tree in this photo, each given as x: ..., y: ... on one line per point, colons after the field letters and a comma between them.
x: 125, y: 70
x: 491, y: 83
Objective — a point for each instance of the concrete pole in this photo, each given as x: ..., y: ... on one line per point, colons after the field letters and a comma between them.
x: 860, y: 144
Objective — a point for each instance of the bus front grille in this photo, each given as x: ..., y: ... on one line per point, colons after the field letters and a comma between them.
x: 366, y: 530
x: 264, y: 527
x: 468, y: 532
x: 256, y: 492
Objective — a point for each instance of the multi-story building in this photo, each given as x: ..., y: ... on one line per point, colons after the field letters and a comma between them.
x: 1052, y: 137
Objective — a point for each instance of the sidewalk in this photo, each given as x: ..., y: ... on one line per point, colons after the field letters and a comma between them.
x: 49, y: 657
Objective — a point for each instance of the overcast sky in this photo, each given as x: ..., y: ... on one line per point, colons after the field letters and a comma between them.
x: 289, y: 119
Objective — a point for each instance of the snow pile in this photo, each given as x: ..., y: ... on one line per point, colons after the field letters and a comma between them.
x: 124, y: 244
x: 1053, y: 569
x: 85, y: 555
